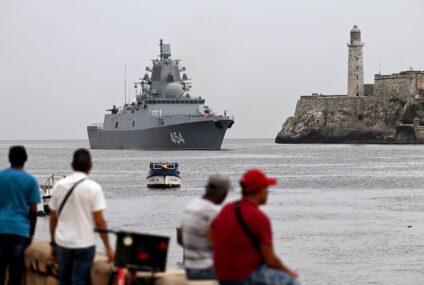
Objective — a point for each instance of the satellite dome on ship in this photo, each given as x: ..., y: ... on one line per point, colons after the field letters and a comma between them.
x: 174, y: 90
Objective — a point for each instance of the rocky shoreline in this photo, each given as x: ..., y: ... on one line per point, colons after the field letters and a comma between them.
x: 320, y: 138
x: 315, y: 137
x: 366, y: 120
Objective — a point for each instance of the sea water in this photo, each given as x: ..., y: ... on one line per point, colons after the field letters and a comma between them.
x: 341, y: 214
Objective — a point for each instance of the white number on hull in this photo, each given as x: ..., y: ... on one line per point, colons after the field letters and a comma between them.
x: 177, y: 138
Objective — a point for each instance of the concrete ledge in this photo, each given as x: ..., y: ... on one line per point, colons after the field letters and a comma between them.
x: 41, y: 270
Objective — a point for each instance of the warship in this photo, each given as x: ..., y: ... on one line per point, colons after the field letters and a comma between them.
x: 163, y: 115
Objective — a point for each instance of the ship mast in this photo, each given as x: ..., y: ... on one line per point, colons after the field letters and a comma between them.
x: 125, y: 84
x: 160, y: 44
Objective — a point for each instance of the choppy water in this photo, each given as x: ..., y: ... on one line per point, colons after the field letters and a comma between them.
x: 340, y: 213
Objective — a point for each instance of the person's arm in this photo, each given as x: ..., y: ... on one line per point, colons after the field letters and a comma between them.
x: 53, y: 224
x: 209, y: 234
x: 272, y: 261
x: 100, y: 223
x: 32, y: 220
x: 180, y: 236
x: 34, y: 199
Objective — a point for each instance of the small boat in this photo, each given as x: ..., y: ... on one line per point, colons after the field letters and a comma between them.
x: 46, y: 193
x: 163, y: 175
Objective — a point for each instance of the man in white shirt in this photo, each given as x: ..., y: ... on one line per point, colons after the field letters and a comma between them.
x: 77, y: 206
x: 197, y: 217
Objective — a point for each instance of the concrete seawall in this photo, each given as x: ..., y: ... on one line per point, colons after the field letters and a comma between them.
x: 41, y: 270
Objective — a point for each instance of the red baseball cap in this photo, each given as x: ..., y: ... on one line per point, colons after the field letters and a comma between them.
x: 255, y: 179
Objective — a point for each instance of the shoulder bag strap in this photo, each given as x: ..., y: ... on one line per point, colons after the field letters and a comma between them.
x: 245, y: 228
x: 67, y: 196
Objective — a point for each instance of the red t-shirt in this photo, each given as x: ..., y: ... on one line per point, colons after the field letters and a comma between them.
x: 235, y: 257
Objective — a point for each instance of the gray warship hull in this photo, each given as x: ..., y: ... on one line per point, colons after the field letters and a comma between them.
x: 207, y: 135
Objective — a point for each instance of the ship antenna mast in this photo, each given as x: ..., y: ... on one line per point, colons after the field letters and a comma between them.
x: 125, y: 84
x: 161, y: 56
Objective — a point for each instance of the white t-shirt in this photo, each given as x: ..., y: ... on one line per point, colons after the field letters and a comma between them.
x: 75, y: 225
x: 197, y: 249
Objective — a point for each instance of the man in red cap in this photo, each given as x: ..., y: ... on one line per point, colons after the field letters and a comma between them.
x: 242, y: 239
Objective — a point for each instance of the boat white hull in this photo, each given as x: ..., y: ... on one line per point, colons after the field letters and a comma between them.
x: 163, y: 181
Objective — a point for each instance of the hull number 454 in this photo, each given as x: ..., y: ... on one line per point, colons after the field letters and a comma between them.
x: 177, y: 138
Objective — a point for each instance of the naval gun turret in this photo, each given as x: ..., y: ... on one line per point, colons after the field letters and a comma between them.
x: 114, y: 110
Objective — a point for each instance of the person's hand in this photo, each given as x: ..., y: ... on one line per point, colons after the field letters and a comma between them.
x: 110, y: 254
x: 293, y: 274
x: 53, y: 252
x: 31, y: 238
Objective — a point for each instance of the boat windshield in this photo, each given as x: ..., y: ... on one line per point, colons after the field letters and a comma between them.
x: 163, y: 165
x: 159, y: 169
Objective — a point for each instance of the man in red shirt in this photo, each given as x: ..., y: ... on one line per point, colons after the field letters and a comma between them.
x: 242, y: 239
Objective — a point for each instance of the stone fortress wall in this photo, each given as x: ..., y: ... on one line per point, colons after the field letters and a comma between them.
x: 325, y: 111
x: 387, y: 111
x: 403, y: 85
x: 325, y: 119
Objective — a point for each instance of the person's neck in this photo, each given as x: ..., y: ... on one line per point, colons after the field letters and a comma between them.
x: 17, y: 167
x: 210, y: 198
x: 252, y: 199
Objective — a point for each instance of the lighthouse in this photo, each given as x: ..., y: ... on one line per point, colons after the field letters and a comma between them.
x: 355, y: 81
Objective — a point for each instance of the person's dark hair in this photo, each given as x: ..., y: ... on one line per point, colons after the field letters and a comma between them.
x: 214, y: 190
x: 243, y: 189
x: 17, y: 156
x: 244, y: 193
x: 82, y: 160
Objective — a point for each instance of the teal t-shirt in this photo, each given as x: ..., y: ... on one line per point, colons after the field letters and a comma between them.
x: 18, y: 189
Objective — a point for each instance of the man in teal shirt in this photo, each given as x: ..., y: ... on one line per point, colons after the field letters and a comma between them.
x: 19, y: 196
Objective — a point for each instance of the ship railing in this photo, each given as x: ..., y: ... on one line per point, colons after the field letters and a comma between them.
x: 181, y: 116
x: 195, y: 116
x: 97, y: 125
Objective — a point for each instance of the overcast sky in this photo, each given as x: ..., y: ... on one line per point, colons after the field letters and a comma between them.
x: 62, y: 62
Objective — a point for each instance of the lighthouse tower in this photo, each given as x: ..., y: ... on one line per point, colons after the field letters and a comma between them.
x: 355, y: 74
